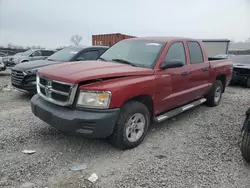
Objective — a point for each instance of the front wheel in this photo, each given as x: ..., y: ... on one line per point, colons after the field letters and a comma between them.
x: 131, y: 126
x: 245, y: 145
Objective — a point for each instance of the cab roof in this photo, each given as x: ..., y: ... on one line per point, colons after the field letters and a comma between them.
x: 160, y: 39
x: 168, y: 39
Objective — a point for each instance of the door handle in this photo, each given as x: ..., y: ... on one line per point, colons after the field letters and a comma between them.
x: 205, y: 69
x: 185, y: 73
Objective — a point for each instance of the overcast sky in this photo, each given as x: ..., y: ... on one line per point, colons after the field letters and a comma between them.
x: 51, y: 23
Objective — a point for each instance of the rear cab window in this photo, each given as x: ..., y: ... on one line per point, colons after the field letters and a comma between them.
x: 195, y: 52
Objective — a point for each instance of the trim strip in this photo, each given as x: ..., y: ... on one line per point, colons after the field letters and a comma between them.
x: 179, y: 110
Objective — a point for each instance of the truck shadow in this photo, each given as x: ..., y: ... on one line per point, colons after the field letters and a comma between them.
x: 180, y: 117
x: 78, y: 142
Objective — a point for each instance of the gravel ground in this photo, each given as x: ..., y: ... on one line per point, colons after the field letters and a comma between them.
x: 199, y: 148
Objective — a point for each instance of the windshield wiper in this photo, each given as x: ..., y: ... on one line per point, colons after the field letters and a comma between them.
x: 102, y: 59
x: 124, y: 61
x: 50, y: 59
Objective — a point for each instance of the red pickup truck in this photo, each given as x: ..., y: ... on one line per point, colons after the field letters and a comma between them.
x: 135, y: 82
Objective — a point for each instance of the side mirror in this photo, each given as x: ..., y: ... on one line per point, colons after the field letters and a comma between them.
x: 172, y: 64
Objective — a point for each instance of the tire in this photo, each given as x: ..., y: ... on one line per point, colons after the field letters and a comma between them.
x: 120, y: 138
x: 248, y: 83
x: 245, y: 145
x: 212, y: 96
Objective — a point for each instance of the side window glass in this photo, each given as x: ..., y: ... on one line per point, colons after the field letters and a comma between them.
x: 176, y: 52
x: 101, y: 51
x: 47, y: 53
x: 90, y: 55
x: 195, y: 52
x: 37, y: 53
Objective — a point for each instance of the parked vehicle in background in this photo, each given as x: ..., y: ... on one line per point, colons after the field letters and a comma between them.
x: 108, y: 39
x: 29, y: 55
x: 2, y: 65
x: 2, y: 54
x: 137, y: 81
x: 245, y: 142
x: 241, y: 69
x: 23, y: 75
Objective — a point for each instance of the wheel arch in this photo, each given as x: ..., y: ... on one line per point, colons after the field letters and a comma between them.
x: 223, y: 80
x: 146, y: 100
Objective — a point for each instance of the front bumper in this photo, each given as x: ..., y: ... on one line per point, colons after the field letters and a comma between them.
x: 239, y: 79
x: 89, y: 123
x: 240, y: 75
x: 26, y: 83
x: 26, y: 88
x: 2, y: 66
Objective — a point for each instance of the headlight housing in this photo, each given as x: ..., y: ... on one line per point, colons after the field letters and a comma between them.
x: 31, y: 71
x: 94, y: 99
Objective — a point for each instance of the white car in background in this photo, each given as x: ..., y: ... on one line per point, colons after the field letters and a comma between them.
x: 29, y: 55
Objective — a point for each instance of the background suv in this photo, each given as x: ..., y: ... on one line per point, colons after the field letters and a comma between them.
x: 29, y: 55
x: 23, y: 75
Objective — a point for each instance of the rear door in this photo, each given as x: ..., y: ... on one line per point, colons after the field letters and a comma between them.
x: 200, y: 70
x: 173, y: 83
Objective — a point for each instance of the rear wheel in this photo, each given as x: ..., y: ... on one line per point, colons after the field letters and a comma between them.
x: 214, y: 95
x: 131, y: 126
x: 245, y: 145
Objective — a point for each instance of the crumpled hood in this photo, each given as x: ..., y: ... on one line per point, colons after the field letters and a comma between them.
x: 33, y: 65
x: 76, y: 72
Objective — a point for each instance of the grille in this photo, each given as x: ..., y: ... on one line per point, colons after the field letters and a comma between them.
x: 17, y: 76
x: 56, y: 92
x: 241, y: 72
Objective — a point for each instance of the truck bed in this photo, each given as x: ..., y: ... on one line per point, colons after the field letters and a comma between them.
x: 216, y: 58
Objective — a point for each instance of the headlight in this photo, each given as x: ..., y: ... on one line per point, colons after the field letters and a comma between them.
x: 31, y: 71
x: 94, y: 99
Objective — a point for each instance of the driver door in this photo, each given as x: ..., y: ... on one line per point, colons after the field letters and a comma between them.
x: 173, y: 83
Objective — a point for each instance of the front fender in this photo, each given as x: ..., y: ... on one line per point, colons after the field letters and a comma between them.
x: 23, y: 59
x: 130, y: 88
x: 125, y: 88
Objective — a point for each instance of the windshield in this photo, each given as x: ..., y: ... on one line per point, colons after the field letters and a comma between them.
x: 135, y: 52
x: 65, y: 54
x: 26, y: 53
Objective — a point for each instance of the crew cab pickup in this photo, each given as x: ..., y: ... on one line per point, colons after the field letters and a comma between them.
x: 135, y: 82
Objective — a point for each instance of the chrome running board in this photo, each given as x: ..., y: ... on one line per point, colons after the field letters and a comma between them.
x: 179, y: 110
